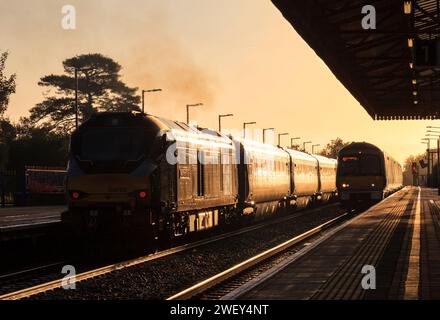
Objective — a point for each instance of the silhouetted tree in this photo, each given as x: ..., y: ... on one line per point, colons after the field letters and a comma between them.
x: 99, y: 89
x: 38, y: 146
x: 331, y: 150
x: 7, y: 132
x: 7, y: 84
x: 7, y: 135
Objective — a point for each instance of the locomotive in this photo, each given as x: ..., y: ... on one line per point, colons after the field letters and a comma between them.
x: 366, y: 174
x: 165, y: 179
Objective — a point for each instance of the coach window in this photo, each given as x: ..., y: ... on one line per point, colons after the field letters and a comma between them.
x: 221, y: 161
x: 200, y: 173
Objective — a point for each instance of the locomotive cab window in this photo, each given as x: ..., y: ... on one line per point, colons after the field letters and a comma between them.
x: 112, y: 144
x: 362, y: 165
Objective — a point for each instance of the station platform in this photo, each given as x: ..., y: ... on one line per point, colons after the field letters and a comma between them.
x: 391, y: 251
x: 20, y: 218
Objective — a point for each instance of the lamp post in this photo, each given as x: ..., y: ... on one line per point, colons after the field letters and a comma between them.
x: 76, y: 93
x: 190, y: 106
x: 244, y: 127
x: 313, y: 148
x: 220, y: 120
x: 304, y: 145
x: 427, y: 143
x: 428, y: 152
x: 76, y: 97
x: 279, y: 137
x: 143, y: 99
x: 291, y: 141
x: 264, y: 133
x: 437, y: 134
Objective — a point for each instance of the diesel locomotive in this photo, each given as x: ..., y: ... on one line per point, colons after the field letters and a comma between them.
x: 163, y: 178
x: 366, y: 174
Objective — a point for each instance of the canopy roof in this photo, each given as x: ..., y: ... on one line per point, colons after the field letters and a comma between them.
x: 375, y: 65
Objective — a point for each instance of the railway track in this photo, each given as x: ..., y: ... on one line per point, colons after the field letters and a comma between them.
x: 13, y: 276
x: 55, y: 284
x: 220, y: 285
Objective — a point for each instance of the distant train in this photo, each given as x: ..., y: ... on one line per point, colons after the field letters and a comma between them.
x: 366, y: 174
x: 165, y: 179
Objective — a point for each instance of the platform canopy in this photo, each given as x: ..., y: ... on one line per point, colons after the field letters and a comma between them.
x: 392, y: 70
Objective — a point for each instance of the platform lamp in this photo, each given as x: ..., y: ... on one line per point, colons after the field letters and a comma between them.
x: 143, y: 99
x: 76, y: 70
x: 291, y: 141
x: 407, y: 6
x: 426, y: 141
x: 264, y: 133
x: 428, y: 153
x: 187, y: 110
x: 220, y: 116
x: 279, y: 137
x: 313, y: 148
x: 244, y: 127
x: 304, y: 145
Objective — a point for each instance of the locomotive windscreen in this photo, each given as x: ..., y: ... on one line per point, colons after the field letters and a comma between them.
x: 360, y: 165
x: 112, y: 144
x: 111, y: 149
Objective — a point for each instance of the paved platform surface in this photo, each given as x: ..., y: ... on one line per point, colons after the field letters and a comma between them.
x: 13, y: 218
x: 392, y: 251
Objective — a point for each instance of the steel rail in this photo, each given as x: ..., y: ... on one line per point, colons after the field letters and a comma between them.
x: 55, y: 284
x: 247, y: 264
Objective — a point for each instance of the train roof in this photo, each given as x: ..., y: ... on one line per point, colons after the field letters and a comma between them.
x: 298, y: 155
x: 174, y: 130
x: 180, y: 131
x: 325, y: 160
x: 360, y: 146
x: 260, y: 147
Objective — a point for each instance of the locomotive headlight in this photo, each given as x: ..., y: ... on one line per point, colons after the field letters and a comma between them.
x: 345, y: 185
x: 373, y: 185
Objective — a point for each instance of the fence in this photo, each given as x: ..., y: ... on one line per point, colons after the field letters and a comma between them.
x: 32, y: 186
x: 8, y: 185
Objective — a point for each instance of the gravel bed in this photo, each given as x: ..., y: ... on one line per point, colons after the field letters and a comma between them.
x: 161, y: 278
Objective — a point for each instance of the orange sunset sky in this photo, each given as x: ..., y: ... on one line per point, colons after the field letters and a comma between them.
x: 235, y: 56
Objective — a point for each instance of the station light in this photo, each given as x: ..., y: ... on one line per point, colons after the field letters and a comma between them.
x: 416, y: 102
x: 414, y: 81
x: 411, y: 65
x: 407, y: 7
x: 410, y: 42
x: 414, y: 93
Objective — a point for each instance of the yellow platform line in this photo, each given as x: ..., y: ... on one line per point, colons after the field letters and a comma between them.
x: 412, y: 281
